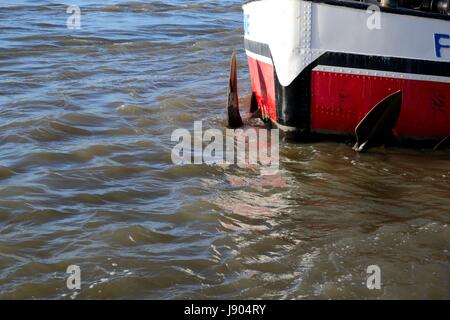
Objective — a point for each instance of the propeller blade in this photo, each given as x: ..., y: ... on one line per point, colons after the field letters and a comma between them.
x: 442, y: 143
x: 376, y: 128
x: 253, y: 104
x: 234, y: 116
x: 250, y: 103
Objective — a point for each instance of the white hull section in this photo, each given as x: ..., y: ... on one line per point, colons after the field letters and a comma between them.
x: 298, y: 32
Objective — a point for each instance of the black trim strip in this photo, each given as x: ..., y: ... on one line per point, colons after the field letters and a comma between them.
x: 293, y: 103
x: 403, y: 65
x: 258, y: 48
x: 379, y: 63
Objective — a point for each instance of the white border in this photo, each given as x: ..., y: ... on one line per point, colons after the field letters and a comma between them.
x: 259, y: 57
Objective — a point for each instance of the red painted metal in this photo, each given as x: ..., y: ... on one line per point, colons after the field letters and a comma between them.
x: 340, y: 101
x: 263, y: 85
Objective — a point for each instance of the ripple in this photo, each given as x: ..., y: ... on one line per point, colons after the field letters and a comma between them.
x: 128, y: 109
x: 38, y: 216
x: 137, y: 235
x: 98, y: 150
x: 6, y: 173
x: 86, y: 176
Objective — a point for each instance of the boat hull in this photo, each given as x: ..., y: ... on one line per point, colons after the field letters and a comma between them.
x: 320, y: 87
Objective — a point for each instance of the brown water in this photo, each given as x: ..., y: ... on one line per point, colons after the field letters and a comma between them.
x: 86, y: 176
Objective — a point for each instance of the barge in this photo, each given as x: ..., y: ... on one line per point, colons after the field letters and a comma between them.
x: 377, y: 71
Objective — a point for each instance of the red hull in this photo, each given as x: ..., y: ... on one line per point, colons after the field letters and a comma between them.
x: 263, y: 85
x: 339, y: 101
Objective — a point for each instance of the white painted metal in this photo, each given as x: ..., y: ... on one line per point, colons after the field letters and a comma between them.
x: 298, y: 32
x: 258, y: 57
x: 277, y: 23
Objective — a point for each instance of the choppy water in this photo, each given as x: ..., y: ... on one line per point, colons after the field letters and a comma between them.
x: 86, y: 176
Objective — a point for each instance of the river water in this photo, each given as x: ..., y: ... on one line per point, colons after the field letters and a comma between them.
x: 86, y: 176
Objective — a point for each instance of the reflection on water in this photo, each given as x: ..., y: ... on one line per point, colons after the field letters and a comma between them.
x: 86, y: 176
